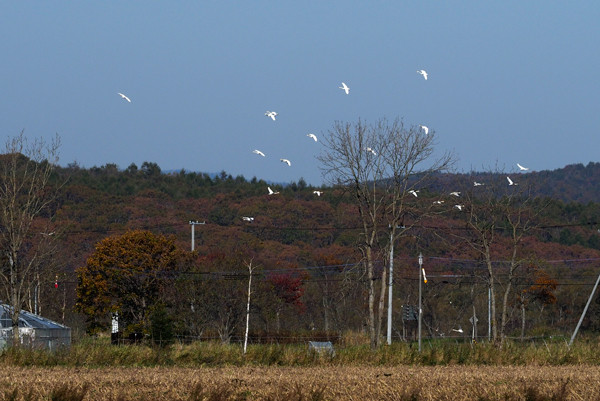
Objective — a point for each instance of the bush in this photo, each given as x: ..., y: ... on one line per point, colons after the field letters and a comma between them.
x: 161, y: 326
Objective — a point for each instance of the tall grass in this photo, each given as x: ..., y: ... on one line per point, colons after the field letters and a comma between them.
x: 99, y: 353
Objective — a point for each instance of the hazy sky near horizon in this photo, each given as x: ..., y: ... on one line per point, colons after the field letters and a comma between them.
x: 509, y: 81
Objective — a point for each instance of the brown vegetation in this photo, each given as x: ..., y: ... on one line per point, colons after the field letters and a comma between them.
x: 213, y: 371
x: 300, y: 236
x: 303, y: 383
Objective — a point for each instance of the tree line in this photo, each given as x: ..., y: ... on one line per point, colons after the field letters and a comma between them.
x: 323, y: 262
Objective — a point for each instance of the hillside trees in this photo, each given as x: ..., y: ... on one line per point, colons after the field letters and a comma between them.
x: 286, y: 289
x: 542, y: 292
x: 290, y: 231
x: 498, y: 217
x: 26, y: 194
x: 332, y: 301
x: 210, y: 298
x: 379, y: 164
x: 126, y: 274
x: 214, y: 295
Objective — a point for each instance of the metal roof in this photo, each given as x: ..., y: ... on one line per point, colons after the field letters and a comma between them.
x: 26, y: 319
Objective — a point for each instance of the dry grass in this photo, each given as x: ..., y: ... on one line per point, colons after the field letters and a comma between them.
x: 482, y: 383
x: 99, y: 353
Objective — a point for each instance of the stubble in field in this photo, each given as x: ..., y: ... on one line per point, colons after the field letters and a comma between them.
x: 305, y: 383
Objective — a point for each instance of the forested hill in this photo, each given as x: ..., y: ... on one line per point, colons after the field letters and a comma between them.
x: 101, y: 201
x: 572, y: 183
x: 294, y: 229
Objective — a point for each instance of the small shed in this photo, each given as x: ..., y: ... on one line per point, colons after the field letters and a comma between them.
x: 322, y: 347
x: 34, y: 331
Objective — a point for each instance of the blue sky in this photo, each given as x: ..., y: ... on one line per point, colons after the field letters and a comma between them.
x: 509, y: 81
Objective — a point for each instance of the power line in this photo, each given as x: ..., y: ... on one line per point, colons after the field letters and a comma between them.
x: 310, y: 228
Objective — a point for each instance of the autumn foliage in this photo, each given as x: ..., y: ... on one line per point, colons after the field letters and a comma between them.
x: 126, y: 275
x: 308, y: 240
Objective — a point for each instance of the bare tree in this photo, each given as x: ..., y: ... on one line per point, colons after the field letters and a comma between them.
x: 250, y: 270
x: 379, y: 164
x: 498, y: 216
x: 25, y: 194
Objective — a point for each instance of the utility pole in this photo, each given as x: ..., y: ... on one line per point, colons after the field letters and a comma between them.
x: 390, y: 287
x: 193, y: 224
x: 584, y: 311
x: 420, y: 302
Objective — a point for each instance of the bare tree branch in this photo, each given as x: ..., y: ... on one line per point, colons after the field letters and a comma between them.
x: 379, y: 164
x: 25, y: 192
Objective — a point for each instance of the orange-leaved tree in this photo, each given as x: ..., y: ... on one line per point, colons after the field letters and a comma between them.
x: 542, y: 291
x: 127, y: 275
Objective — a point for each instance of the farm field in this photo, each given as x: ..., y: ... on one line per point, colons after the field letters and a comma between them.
x: 577, y: 382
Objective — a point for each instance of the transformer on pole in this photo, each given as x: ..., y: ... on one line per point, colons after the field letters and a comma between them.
x: 193, y: 224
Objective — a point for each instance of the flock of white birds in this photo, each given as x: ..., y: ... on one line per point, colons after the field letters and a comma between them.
x: 273, y: 116
x: 475, y: 184
x: 455, y: 193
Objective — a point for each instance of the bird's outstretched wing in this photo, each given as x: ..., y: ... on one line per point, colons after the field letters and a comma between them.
x: 124, y: 97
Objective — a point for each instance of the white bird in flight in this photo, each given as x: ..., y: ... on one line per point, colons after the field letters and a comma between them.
x: 271, y: 192
x: 313, y: 136
x: 258, y: 152
x: 372, y: 151
x: 459, y: 207
x: 286, y: 161
x: 477, y: 184
x: 424, y: 73
x: 413, y: 192
x: 456, y: 193
x: 245, y: 218
x: 438, y: 202
x: 510, y: 182
x: 318, y: 193
x: 458, y: 331
x: 345, y: 88
x: 124, y: 97
x: 425, y: 129
x: 271, y: 114
x: 522, y: 168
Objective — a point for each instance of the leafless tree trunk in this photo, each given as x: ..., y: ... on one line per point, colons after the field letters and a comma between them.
x: 379, y: 164
x: 522, y: 320
x: 498, y: 216
x: 25, y: 193
x: 519, y: 216
x: 250, y: 270
x: 325, y: 314
x: 380, y: 310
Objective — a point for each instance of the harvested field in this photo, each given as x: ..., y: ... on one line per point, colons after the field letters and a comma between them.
x: 303, y: 383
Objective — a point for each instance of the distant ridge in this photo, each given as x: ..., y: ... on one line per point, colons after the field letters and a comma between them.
x: 572, y: 183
